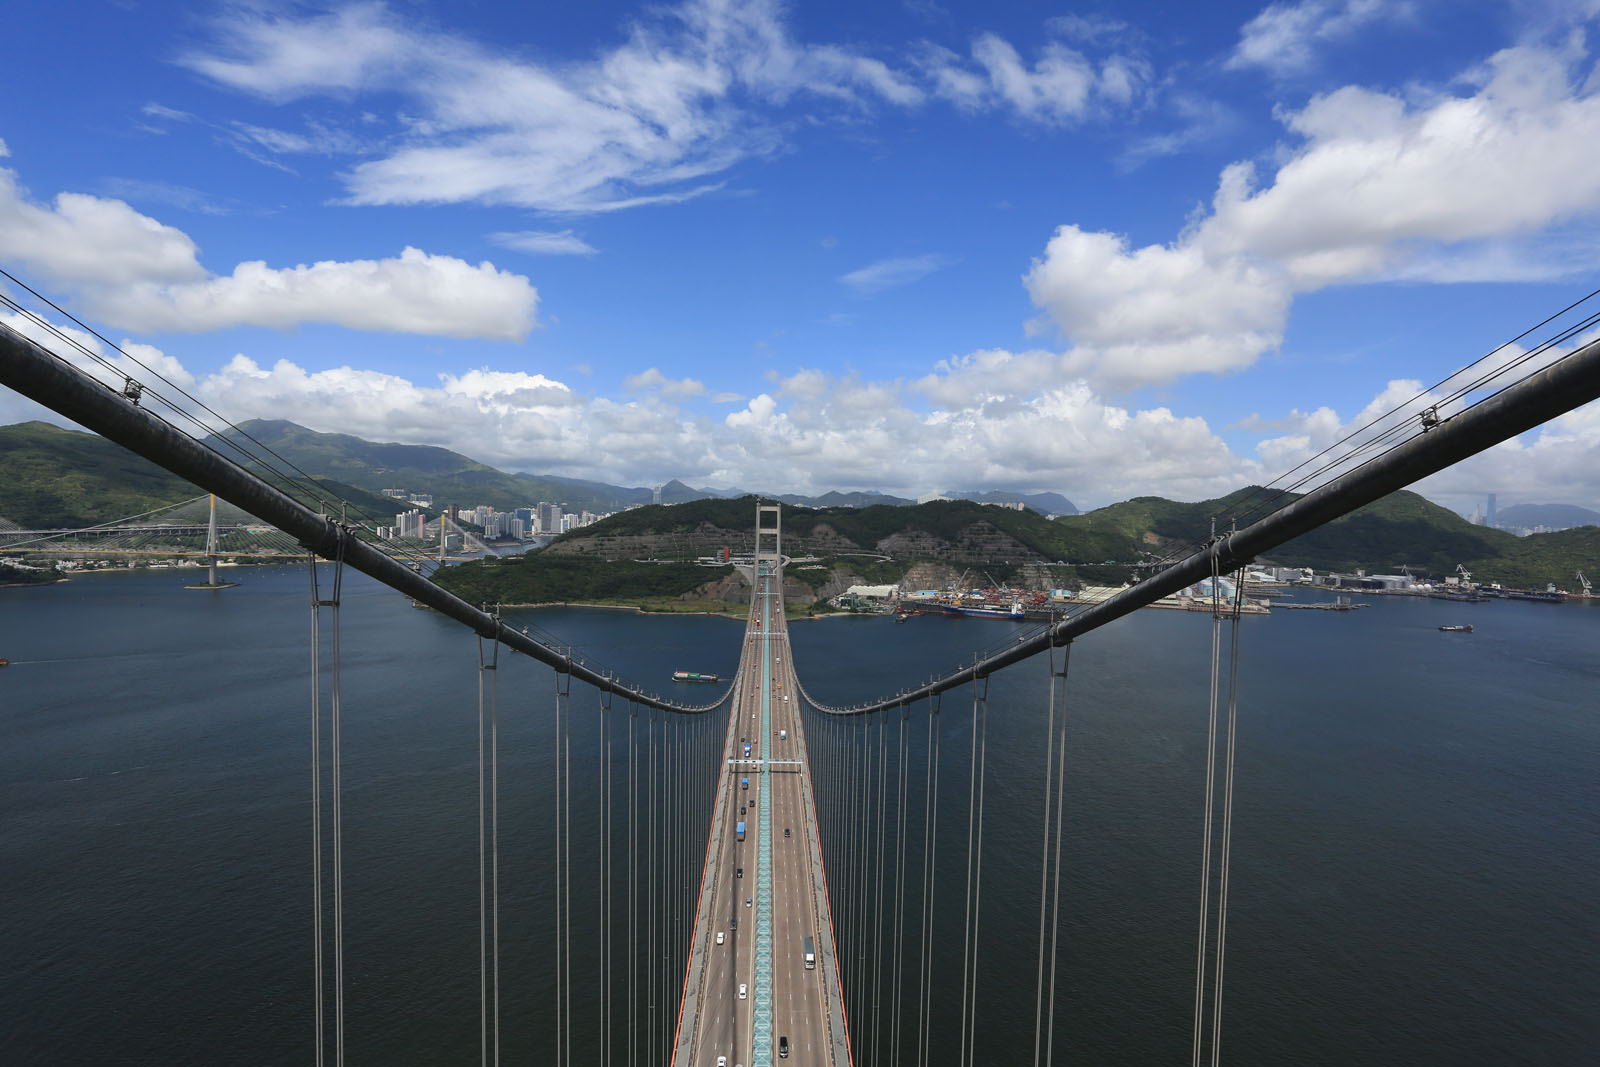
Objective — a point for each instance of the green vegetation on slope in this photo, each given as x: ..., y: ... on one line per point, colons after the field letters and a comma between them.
x: 449, y: 476
x: 52, y: 478
x: 544, y: 578
x: 868, y: 527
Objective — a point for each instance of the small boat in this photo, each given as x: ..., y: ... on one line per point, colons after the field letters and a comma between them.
x: 1465, y: 629
x: 692, y: 676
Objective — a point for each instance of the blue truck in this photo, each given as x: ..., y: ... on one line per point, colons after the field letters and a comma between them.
x: 741, y: 830
x: 744, y: 782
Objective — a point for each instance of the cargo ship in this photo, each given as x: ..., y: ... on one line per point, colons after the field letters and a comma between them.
x: 692, y: 676
x: 1465, y: 628
x: 986, y: 611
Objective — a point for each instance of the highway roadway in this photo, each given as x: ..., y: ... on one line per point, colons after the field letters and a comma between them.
x: 715, y: 1020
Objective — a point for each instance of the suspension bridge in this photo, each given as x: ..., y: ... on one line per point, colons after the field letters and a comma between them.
x: 767, y: 862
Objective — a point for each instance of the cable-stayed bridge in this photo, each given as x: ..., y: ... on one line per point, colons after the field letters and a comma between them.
x: 203, y: 527
x: 817, y: 833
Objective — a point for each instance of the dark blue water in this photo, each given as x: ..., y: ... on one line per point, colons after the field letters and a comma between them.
x: 1415, y: 865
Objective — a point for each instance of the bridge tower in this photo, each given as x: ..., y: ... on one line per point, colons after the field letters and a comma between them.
x: 769, y: 537
x: 211, y: 554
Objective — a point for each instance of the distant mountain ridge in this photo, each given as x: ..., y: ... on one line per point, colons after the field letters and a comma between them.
x: 1550, y: 516
x: 54, y: 477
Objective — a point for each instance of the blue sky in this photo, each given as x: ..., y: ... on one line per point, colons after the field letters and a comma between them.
x: 1100, y: 249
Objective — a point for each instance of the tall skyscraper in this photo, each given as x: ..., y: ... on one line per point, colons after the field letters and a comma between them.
x: 1488, y: 519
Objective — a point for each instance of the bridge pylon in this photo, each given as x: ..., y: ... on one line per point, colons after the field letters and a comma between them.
x: 769, y: 537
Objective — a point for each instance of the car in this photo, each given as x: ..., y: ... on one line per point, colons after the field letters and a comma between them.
x: 722, y: 1061
x: 743, y: 991
x: 721, y: 937
x: 733, y: 923
x: 785, y: 831
x: 738, y: 872
x: 783, y: 1047
x: 749, y: 901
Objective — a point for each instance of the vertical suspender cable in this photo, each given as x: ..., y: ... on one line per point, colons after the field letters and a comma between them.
x: 1211, y: 778
x: 1227, y: 820
x: 335, y: 730
x: 564, y: 698
x: 1044, y: 853
x: 1055, y: 906
x: 930, y: 849
x: 560, y: 941
x: 877, y: 921
x: 316, y: 800
x: 494, y: 837
x: 483, y: 866
x: 632, y: 947
x: 650, y: 896
x: 605, y: 876
x: 899, y: 887
x: 977, y: 876
x: 972, y: 815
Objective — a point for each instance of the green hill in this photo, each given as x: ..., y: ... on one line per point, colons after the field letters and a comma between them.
x: 51, y: 477
x: 448, y: 476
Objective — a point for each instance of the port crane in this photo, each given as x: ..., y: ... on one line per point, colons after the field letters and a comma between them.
x: 1588, y: 590
x: 1466, y: 575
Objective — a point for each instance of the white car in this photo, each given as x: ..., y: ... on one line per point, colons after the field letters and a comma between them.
x: 722, y: 1061
x: 743, y: 991
x: 720, y: 937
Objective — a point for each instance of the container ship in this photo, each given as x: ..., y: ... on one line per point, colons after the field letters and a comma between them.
x: 692, y: 676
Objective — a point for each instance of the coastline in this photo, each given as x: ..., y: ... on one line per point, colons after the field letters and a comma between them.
x: 638, y: 610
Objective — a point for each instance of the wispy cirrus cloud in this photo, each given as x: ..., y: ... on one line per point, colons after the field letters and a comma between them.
x: 1285, y: 38
x: 647, y: 121
x: 545, y: 243
x: 891, y: 273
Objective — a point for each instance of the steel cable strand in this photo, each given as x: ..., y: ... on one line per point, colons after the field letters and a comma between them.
x: 1227, y: 828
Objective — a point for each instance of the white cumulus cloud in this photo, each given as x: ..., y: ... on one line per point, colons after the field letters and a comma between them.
x: 1434, y: 188
x: 137, y: 273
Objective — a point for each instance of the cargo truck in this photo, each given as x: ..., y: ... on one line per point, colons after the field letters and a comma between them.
x: 744, y: 783
x: 740, y: 829
x: 811, y: 956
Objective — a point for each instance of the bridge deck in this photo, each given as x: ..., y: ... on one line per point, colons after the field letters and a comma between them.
x: 765, y: 895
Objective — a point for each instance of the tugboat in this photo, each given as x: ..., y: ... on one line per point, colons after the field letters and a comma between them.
x: 1463, y: 629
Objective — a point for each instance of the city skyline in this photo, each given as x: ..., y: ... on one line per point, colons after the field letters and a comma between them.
x: 1167, y: 251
